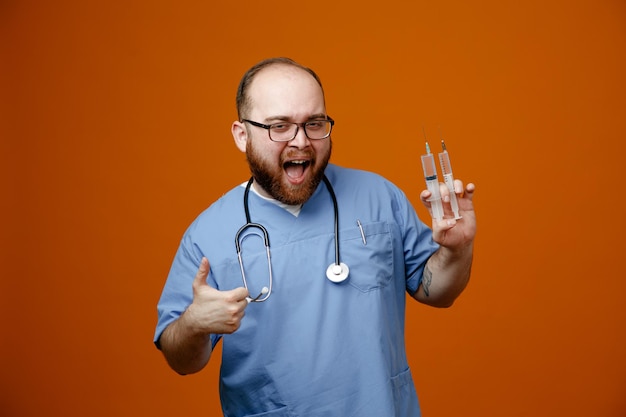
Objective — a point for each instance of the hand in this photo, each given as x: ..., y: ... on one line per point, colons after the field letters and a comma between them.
x: 213, y: 311
x: 448, y: 232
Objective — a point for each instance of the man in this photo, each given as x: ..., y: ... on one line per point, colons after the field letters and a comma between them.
x: 316, y: 339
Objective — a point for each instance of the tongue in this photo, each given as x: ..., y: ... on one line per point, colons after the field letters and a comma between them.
x: 294, y: 170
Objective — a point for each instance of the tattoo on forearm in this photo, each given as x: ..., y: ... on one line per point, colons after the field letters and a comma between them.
x: 427, y: 279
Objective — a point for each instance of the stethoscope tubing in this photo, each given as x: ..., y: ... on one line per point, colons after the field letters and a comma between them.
x: 265, y: 293
x: 336, y: 210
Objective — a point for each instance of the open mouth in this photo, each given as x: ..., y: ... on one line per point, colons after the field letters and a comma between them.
x: 296, y: 169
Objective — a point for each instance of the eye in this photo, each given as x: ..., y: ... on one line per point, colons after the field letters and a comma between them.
x: 280, y: 127
x: 315, y: 124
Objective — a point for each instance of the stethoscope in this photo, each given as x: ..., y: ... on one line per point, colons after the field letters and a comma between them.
x: 336, y: 272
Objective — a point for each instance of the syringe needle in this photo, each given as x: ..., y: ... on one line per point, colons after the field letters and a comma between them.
x: 443, y: 144
x: 426, y: 140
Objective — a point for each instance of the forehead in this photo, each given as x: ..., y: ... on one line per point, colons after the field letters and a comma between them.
x: 285, y: 91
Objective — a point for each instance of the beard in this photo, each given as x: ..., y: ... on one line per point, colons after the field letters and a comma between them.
x: 271, y: 177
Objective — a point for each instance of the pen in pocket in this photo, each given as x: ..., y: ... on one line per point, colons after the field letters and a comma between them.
x: 358, y: 223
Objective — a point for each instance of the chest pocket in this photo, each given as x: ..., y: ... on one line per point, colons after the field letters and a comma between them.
x: 368, y: 252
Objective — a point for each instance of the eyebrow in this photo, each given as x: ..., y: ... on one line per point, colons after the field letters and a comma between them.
x: 317, y: 116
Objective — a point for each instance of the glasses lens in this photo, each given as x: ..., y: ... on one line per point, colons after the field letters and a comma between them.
x: 282, y: 132
x: 318, y: 129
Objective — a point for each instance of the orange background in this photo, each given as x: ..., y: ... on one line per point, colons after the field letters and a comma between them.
x: 115, y: 125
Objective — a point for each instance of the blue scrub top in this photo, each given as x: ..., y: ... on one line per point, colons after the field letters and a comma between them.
x: 314, y: 348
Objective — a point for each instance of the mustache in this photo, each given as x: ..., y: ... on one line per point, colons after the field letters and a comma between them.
x: 291, y: 154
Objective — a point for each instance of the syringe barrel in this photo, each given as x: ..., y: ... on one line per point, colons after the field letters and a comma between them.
x: 448, y: 179
x: 444, y: 161
x: 430, y: 170
x: 430, y: 174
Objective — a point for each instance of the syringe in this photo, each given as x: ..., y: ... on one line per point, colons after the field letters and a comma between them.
x: 430, y: 175
x: 446, y: 170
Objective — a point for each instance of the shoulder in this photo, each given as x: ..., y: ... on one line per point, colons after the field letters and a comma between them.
x: 225, y: 210
x: 360, y: 180
x: 342, y: 174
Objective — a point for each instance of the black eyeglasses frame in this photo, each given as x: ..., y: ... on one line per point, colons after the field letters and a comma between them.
x: 298, y: 126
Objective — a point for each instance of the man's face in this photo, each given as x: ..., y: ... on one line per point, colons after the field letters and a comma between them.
x: 287, y: 171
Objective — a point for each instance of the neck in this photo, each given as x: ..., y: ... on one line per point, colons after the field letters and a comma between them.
x: 260, y: 190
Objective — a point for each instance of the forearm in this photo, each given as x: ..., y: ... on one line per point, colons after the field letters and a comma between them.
x: 446, y: 275
x: 186, y: 350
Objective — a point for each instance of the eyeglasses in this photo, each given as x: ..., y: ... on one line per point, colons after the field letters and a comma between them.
x: 285, y: 131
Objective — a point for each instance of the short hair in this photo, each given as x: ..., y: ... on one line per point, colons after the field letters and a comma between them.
x: 243, y: 100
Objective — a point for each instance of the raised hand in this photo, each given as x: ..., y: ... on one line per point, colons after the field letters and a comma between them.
x: 448, y: 232
x: 214, y: 311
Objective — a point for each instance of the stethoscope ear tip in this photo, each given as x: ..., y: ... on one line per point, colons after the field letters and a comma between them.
x: 337, y: 272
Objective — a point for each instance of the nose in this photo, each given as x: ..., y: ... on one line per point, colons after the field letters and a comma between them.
x: 301, y: 140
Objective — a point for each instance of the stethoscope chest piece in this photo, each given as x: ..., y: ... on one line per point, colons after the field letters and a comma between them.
x: 337, y: 272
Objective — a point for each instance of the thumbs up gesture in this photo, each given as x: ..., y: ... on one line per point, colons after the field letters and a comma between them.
x: 214, y: 311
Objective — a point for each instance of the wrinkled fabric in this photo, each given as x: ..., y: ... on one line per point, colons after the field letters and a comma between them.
x: 314, y: 348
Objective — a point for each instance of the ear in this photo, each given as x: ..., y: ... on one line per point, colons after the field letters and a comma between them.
x: 240, y: 135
